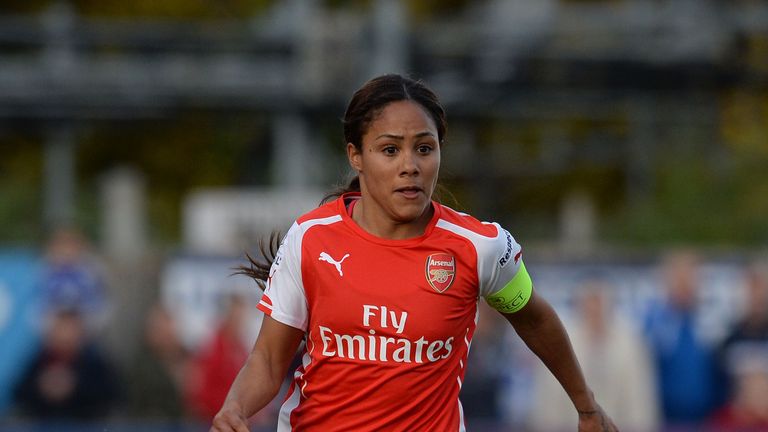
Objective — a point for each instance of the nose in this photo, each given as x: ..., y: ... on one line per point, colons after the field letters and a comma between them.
x: 410, y: 164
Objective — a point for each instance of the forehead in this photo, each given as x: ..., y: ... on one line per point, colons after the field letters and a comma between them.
x: 402, y: 117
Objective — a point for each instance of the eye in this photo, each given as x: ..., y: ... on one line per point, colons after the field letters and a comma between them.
x: 424, y: 149
x: 389, y: 150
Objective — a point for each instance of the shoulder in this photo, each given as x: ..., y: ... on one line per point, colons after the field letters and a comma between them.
x: 326, y: 214
x: 321, y: 214
x: 490, y: 240
x: 466, y: 225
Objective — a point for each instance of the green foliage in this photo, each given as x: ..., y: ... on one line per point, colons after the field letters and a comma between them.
x: 347, y: 4
x: 688, y: 206
x: 176, y: 156
x: 23, y: 6
x: 708, y: 196
x: 426, y: 9
x: 176, y: 9
x: 702, y: 188
x: 20, y: 191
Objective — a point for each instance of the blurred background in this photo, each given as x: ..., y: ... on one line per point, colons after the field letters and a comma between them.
x: 146, y: 146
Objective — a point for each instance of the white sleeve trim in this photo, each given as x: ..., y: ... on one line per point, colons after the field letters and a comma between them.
x: 285, y: 288
x: 498, y: 257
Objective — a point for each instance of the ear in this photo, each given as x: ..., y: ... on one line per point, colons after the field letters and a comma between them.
x: 355, y: 157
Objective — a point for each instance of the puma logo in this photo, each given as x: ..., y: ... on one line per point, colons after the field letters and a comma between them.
x: 327, y: 258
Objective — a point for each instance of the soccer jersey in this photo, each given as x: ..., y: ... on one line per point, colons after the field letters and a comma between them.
x: 388, y: 323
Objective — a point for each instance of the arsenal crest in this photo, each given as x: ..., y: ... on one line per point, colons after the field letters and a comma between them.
x: 440, y: 271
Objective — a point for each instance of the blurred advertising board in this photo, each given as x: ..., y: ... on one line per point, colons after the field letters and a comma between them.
x: 19, y: 320
x: 195, y: 289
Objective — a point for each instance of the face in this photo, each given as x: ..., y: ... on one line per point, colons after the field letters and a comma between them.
x: 398, y: 162
x: 66, y: 333
x: 757, y: 295
x: 682, y: 281
x: 594, y: 304
x: 65, y: 247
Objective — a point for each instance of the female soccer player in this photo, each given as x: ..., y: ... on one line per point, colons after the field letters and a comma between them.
x: 383, y: 283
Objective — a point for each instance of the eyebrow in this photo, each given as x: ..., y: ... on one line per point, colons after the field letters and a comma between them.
x: 400, y: 137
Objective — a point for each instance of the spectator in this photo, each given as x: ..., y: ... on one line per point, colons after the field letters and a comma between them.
x: 616, y: 362
x: 747, y: 409
x: 215, y: 366
x: 750, y: 333
x: 155, y: 387
x: 73, y: 279
x: 69, y: 378
x: 684, y: 362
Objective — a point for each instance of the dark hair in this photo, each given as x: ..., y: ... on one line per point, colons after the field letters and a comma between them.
x: 366, y: 104
x: 377, y: 93
x: 258, y: 269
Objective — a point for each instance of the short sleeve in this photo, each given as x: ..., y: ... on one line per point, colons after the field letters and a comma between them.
x: 284, y: 299
x: 504, y: 281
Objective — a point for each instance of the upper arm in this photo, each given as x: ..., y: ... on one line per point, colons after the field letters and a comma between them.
x: 276, y: 345
x: 260, y: 378
x: 284, y: 298
x: 503, y: 278
x: 536, y: 310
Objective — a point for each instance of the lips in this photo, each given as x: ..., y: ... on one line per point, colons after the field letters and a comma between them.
x: 410, y: 191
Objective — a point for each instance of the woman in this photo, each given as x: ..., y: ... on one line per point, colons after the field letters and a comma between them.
x: 382, y: 284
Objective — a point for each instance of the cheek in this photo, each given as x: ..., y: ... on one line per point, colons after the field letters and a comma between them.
x: 375, y: 169
x: 433, y: 167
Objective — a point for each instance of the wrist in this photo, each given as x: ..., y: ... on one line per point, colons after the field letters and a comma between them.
x: 232, y: 406
x: 585, y: 403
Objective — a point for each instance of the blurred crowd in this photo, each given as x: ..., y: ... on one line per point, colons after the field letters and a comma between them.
x: 654, y: 373
x: 659, y: 372
x: 73, y: 377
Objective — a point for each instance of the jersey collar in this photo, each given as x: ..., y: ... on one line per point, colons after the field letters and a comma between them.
x: 343, y: 211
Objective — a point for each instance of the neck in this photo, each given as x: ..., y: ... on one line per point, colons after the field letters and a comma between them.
x: 374, y: 220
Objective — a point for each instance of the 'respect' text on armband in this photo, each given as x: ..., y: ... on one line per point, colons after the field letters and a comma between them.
x: 515, y: 293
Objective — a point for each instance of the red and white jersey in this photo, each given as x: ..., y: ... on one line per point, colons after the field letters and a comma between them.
x: 388, y: 323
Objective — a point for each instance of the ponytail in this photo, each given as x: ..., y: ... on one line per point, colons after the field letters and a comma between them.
x: 258, y: 268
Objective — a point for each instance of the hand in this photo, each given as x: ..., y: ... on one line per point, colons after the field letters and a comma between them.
x: 228, y: 420
x: 596, y: 421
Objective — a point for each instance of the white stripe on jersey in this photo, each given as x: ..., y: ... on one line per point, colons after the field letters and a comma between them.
x: 467, y: 342
x: 462, y: 428
x: 303, y: 227
x: 324, y: 221
x: 265, y: 304
x: 286, y: 287
x: 464, y: 232
x: 306, y: 360
x: 483, y: 247
x: 495, y: 263
x: 284, y: 420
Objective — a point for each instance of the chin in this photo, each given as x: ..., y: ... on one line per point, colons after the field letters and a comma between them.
x: 411, y: 211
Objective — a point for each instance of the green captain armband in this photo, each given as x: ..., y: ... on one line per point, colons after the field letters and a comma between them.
x: 514, y: 295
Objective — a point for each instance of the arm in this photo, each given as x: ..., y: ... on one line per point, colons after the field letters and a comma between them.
x: 540, y: 328
x: 259, y: 380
